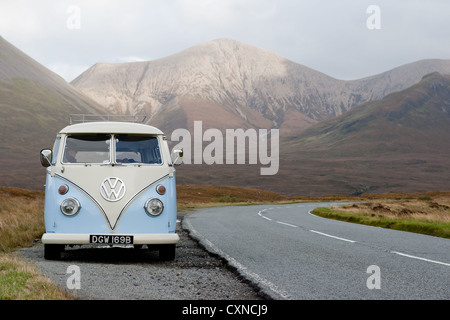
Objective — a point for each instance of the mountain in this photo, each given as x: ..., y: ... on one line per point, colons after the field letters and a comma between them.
x: 388, y: 132
x: 226, y: 83
x: 325, y: 146
x: 414, y: 120
x: 35, y: 104
x: 221, y: 80
x: 399, y: 143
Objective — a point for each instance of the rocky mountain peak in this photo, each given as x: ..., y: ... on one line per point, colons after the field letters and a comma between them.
x: 223, y: 71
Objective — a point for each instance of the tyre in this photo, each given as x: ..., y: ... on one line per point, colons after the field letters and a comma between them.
x: 167, y: 252
x: 53, y: 251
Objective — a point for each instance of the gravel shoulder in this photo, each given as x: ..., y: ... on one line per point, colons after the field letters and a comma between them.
x: 137, y: 274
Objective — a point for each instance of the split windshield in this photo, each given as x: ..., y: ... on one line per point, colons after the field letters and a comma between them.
x: 115, y: 149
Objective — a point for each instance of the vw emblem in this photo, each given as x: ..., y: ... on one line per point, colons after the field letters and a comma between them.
x: 112, y: 189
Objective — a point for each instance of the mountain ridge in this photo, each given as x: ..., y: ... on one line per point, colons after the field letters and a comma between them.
x: 422, y: 110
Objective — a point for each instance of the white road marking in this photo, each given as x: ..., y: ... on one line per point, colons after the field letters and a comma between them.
x: 294, y: 226
x: 351, y: 241
x: 330, y: 236
x: 286, y: 224
x: 260, y: 214
x: 419, y: 258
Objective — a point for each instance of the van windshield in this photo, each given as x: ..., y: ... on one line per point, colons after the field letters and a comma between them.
x: 137, y: 149
x: 129, y: 149
x: 87, y: 149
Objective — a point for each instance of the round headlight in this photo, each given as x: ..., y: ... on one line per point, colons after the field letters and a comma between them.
x: 154, y: 207
x: 70, y: 206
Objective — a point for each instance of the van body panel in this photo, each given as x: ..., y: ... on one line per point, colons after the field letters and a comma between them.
x: 93, y: 181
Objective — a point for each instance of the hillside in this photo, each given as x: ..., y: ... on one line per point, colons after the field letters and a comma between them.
x: 35, y: 104
x: 414, y: 120
x: 400, y: 143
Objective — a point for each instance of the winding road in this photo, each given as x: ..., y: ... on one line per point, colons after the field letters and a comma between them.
x: 292, y: 254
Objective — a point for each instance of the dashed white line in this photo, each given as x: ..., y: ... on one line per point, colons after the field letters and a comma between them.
x: 294, y: 226
x: 260, y: 214
x: 287, y: 224
x: 419, y: 258
x: 348, y: 240
x: 330, y: 236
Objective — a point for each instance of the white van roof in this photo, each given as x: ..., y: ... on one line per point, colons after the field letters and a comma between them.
x: 111, y: 127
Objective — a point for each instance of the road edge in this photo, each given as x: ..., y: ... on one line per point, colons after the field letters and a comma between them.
x: 264, y: 288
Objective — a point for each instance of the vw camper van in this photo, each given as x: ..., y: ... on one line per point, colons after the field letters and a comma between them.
x: 110, y: 183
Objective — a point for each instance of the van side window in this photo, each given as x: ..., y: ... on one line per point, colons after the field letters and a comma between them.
x: 137, y: 149
x: 56, y: 149
x: 87, y: 149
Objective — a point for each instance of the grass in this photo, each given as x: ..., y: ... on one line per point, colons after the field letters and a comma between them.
x: 22, y: 221
x: 20, y: 280
x: 423, y: 213
x: 21, y: 217
x: 192, y: 196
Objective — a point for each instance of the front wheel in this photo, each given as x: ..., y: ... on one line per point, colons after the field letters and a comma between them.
x: 53, y: 251
x: 167, y: 252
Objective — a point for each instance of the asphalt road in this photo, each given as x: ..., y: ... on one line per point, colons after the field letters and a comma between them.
x: 291, y: 254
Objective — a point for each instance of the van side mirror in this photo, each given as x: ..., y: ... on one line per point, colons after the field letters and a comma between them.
x: 46, y: 157
x: 177, y: 157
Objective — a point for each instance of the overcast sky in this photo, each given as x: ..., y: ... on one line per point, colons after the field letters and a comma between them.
x: 346, y: 39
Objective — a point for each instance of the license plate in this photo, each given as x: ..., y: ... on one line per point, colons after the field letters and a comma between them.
x: 111, y: 239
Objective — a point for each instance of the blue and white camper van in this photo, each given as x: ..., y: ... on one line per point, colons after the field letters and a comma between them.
x: 110, y: 183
